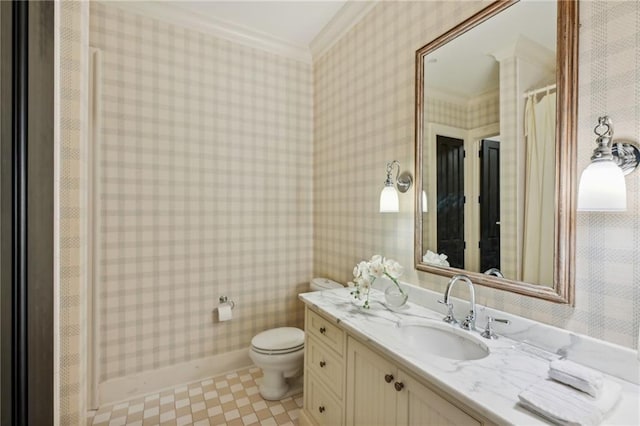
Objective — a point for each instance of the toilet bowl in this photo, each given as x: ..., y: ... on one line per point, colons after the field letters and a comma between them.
x: 279, y: 352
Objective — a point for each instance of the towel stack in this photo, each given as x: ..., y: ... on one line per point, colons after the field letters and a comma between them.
x: 577, y: 376
x: 585, y: 401
x: 435, y: 258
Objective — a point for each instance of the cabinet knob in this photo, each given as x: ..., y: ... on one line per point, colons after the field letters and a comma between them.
x: 321, y: 408
x: 323, y: 330
x: 399, y: 386
x: 388, y: 378
x: 322, y: 364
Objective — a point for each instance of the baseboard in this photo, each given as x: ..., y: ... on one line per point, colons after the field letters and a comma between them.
x: 128, y: 387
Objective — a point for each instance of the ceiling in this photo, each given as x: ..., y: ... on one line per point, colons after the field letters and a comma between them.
x: 295, y: 22
x: 529, y: 23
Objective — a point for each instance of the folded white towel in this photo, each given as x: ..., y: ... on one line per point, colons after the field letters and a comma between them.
x: 578, y: 376
x: 564, y: 405
x: 435, y: 258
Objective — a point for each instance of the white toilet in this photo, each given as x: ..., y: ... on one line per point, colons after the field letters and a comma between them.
x: 279, y: 352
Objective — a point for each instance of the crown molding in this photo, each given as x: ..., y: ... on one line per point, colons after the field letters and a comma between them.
x: 170, y: 13
x: 528, y: 50
x: 347, y: 17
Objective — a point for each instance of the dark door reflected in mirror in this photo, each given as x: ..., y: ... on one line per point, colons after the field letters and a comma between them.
x: 450, y: 199
x: 489, y: 205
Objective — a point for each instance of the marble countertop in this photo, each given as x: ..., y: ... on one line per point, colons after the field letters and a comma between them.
x: 489, y: 385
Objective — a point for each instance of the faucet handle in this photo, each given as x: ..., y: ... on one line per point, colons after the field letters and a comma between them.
x: 469, y: 322
x: 450, y: 317
x: 488, y: 332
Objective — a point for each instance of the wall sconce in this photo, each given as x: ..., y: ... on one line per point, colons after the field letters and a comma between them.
x: 389, y: 197
x: 602, y: 185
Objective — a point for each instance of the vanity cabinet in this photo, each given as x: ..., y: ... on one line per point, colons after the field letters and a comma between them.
x: 419, y: 405
x: 371, y: 396
x: 324, y: 372
x: 380, y: 393
x: 348, y: 383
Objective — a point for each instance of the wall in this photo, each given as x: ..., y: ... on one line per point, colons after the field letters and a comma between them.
x: 71, y: 42
x: 462, y: 113
x: 364, y: 111
x: 204, y: 182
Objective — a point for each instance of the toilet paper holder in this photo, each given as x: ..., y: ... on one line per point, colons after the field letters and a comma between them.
x: 225, y: 299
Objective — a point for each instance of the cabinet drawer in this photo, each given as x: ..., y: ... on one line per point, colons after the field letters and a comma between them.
x: 325, y: 331
x: 325, y: 365
x: 324, y: 409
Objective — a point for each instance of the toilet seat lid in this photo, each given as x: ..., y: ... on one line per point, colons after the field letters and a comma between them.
x: 283, y: 339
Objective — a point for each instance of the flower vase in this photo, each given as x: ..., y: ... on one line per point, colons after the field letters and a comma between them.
x: 394, y: 297
x: 360, y: 298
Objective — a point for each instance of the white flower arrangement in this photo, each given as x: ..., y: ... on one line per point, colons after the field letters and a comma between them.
x: 366, y: 272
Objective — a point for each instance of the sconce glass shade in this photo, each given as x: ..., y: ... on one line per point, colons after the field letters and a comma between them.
x: 425, y: 206
x: 389, y: 202
x: 602, y: 188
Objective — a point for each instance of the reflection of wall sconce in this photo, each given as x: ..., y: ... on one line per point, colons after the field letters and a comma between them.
x: 602, y: 185
x: 389, y: 197
x: 425, y: 206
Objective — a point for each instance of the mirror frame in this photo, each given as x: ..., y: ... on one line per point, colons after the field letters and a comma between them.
x: 562, y: 290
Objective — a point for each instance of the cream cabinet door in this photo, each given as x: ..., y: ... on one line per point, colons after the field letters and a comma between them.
x: 371, y: 395
x: 418, y: 405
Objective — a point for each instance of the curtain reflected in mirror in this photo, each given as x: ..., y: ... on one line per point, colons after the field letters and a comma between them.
x: 539, y: 184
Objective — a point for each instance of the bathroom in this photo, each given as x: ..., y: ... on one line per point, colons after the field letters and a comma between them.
x: 236, y: 166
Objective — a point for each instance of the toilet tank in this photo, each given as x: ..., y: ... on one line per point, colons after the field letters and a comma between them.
x: 318, y: 284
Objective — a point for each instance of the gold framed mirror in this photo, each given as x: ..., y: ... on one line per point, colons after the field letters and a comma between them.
x: 495, y: 146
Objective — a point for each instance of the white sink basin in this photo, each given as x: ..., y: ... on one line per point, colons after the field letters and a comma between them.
x: 442, y: 340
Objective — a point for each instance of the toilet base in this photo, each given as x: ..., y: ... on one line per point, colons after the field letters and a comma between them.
x: 273, y: 386
x: 275, y: 371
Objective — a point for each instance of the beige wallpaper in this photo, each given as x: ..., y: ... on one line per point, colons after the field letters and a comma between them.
x: 464, y: 114
x: 205, y: 187
x: 70, y: 103
x: 364, y: 104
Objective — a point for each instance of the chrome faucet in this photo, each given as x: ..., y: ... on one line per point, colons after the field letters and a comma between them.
x: 469, y: 322
x: 495, y: 272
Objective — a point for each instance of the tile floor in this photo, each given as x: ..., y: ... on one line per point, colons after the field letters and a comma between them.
x: 231, y: 399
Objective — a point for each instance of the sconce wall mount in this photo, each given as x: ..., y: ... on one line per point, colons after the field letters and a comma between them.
x: 625, y: 154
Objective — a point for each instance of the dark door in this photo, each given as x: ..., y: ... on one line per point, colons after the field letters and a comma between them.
x: 450, y: 216
x: 489, y: 205
x: 26, y: 212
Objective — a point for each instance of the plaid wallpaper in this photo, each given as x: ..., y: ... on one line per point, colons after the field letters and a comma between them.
x: 364, y: 106
x: 511, y: 169
x: 483, y: 110
x: 476, y: 112
x: 206, y: 190
x: 441, y: 111
x: 70, y: 103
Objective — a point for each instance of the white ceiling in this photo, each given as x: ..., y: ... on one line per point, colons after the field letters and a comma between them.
x: 296, y: 22
x: 448, y: 67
